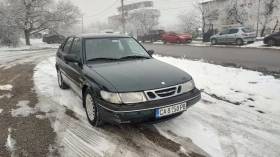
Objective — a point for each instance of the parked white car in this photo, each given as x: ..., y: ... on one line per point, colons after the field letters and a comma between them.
x: 238, y: 35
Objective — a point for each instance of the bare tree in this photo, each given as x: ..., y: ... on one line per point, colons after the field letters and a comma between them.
x: 143, y: 18
x: 269, y: 14
x: 33, y: 16
x: 189, y: 23
x: 207, y: 11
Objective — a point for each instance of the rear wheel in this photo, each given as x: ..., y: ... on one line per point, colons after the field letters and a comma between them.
x: 164, y: 41
x: 214, y: 41
x: 91, y: 109
x: 178, y: 41
x: 239, y: 41
x: 143, y: 40
x: 271, y: 42
x: 61, y: 83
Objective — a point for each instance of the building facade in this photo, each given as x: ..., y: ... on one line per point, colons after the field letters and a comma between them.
x: 116, y: 19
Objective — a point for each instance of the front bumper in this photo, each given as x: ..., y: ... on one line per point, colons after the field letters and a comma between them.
x: 144, y: 112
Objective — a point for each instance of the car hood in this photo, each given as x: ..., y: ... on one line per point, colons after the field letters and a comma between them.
x: 140, y: 75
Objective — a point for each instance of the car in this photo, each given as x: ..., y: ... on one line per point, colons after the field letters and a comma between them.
x: 119, y: 81
x: 176, y: 37
x: 238, y: 35
x: 51, y: 39
x: 153, y: 36
x: 272, y: 39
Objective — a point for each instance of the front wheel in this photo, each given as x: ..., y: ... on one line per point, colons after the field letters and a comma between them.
x: 271, y: 42
x: 214, y: 41
x: 164, y: 41
x: 178, y: 41
x: 91, y: 109
x: 61, y: 83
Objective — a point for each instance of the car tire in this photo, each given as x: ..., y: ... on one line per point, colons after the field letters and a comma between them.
x: 214, y: 41
x: 164, y: 41
x: 91, y: 108
x: 178, y: 41
x: 239, y: 41
x: 61, y: 83
x: 143, y: 41
x: 271, y: 42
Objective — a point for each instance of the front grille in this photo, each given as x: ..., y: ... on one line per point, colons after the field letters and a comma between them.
x: 163, y: 93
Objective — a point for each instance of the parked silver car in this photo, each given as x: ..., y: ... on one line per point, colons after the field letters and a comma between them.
x: 239, y: 36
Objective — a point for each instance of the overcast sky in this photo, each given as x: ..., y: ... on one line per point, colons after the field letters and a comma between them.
x: 169, y: 9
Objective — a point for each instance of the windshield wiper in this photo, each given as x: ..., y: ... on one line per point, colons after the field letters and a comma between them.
x: 134, y: 56
x: 103, y: 58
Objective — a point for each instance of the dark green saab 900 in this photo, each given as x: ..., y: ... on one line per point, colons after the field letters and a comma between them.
x: 120, y: 82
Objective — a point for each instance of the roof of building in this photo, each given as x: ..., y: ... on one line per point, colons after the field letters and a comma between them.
x: 102, y: 35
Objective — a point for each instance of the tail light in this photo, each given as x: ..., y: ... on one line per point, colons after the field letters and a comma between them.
x: 157, y: 33
x: 245, y: 35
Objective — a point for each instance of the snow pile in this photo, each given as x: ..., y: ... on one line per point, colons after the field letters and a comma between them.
x: 35, y: 44
x: 1, y: 110
x: 6, y: 95
x: 6, y: 87
x: 24, y: 109
x: 10, y: 144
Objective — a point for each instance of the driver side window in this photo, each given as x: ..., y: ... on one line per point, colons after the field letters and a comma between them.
x: 225, y: 32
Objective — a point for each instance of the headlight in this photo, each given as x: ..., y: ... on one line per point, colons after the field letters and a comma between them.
x: 188, y: 86
x: 127, y: 98
x: 111, y: 97
x: 130, y: 98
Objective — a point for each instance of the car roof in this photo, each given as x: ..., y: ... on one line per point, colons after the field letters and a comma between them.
x: 102, y: 35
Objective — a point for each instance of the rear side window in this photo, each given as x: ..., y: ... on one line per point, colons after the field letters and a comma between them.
x: 67, y: 45
x: 161, y: 32
x: 247, y: 30
x: 167, y: 33
x: 76, y: 47
x: 233, y: 31
x: 152, y: 31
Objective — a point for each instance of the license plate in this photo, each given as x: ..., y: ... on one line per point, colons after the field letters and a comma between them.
x: 171, y: 110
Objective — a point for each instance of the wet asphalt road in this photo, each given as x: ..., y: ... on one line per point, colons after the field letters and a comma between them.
x: 251, y: 58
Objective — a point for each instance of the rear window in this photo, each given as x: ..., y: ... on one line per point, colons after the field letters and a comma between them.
x: 247, y: 30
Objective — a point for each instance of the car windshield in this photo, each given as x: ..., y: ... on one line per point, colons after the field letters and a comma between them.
x: 114, y: 48
x: 247, y: 30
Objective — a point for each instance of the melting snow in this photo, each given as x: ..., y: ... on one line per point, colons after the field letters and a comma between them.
x: 6, y: 87
x: 1, y: 110
x: 24, y: 109
x: 6, y: 95
x: 10, y: 144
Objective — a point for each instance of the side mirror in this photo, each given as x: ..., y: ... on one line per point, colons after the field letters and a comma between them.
x: 151, y: 52
x: 71, y: 58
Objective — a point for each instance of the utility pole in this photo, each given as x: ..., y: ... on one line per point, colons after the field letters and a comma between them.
x: 123, y: 20
x: 258, y: 18
x: 82, y: 23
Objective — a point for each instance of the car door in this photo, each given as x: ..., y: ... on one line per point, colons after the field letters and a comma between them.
x: 232, y: 35
x: 173, y: 37
x: 75, y: 69
x: 166, y: 36
x: 62, y: 52
x: 222, y: 38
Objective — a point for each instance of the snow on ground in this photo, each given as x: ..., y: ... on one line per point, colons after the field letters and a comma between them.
x: 6, y: 87
x: 10, y: 144
x: 1, y: 110
x: 239, y: 114
x: 35, y: 44
x: 222, y: 128
x: 6, y: 95
x: 23, y: 110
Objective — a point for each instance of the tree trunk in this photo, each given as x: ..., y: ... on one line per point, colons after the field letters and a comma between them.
x: 276, y: 24
x: 27, y: 37
x: 262, y: 32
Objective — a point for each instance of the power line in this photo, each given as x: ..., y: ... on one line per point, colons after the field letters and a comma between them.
x: 104, y: 10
